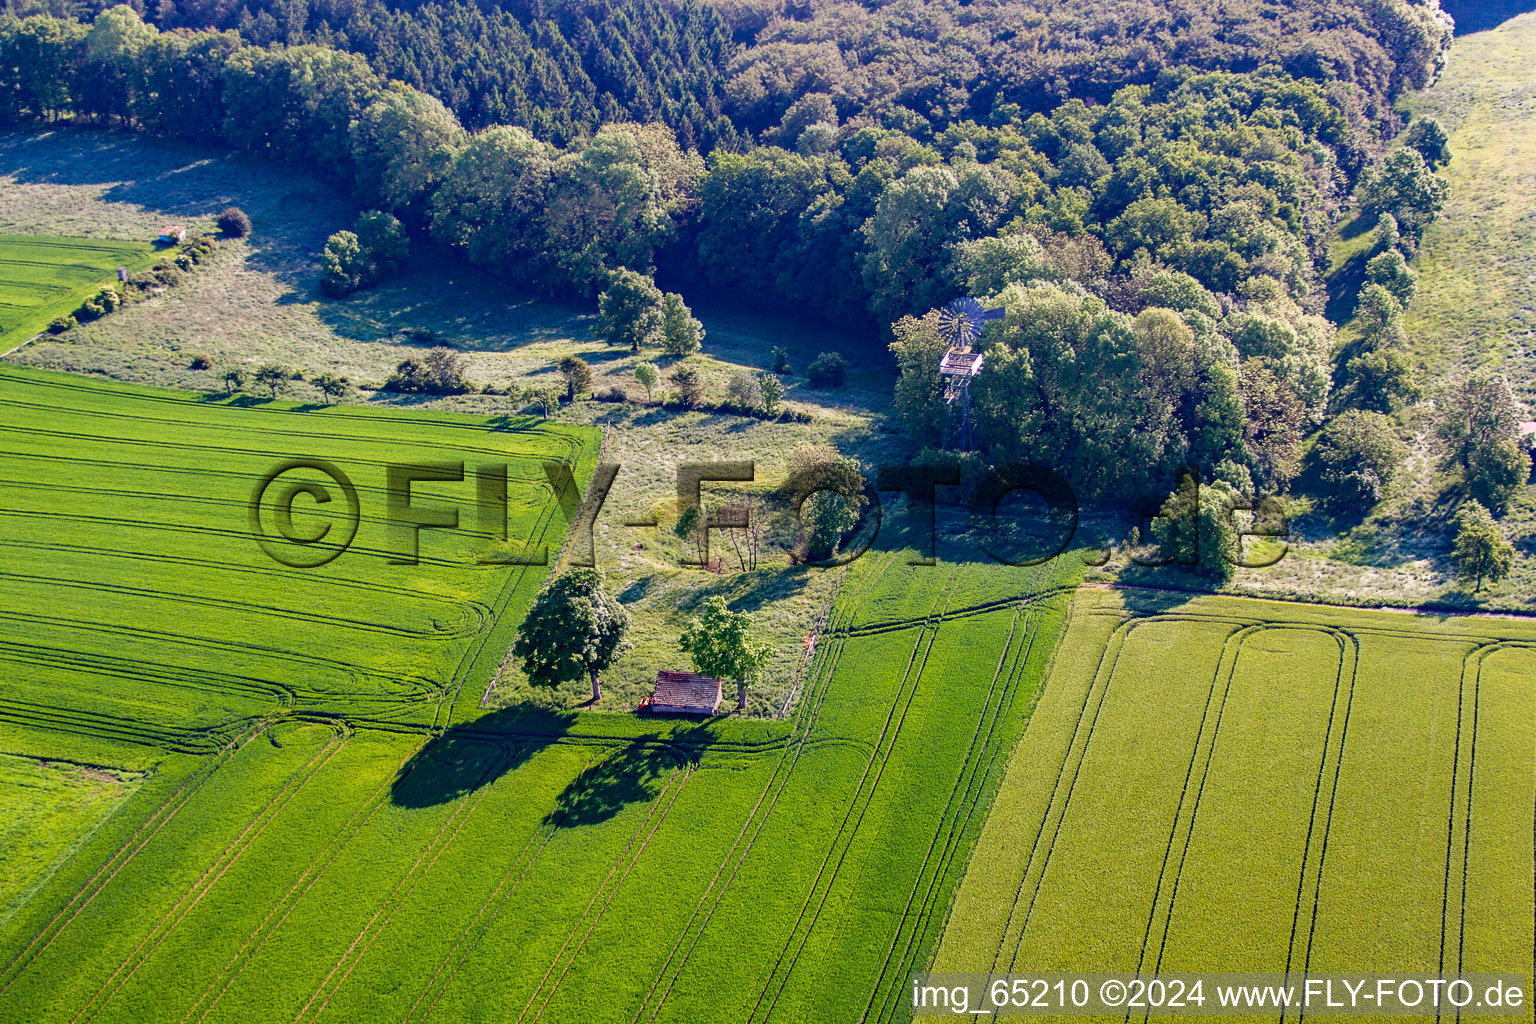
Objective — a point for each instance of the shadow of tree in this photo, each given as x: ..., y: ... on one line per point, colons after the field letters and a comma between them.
x: 634, y: 773
x: 1481, y: 15
x: 465, y: 757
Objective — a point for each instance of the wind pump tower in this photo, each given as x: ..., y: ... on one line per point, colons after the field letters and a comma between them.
x: 960, y: 324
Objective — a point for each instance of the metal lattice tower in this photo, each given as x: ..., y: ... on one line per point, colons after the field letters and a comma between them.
x: 960, y: 323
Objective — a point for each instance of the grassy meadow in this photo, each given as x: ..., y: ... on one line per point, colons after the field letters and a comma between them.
x: 298, y: 807
x: 1314, y: 790
x: 1476, y: 301
x: 42, y: 278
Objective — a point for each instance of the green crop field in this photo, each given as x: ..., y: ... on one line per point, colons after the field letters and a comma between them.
x: 43, y: 278
x: 1234, y: 785
x: 314, y: 818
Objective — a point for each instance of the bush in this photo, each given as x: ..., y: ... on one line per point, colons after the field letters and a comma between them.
x: 108, y: 300
x: 1360, y: 453
x: 163, y: 273
x: 364, y: 256
x: 745, y: 391
x: 201, y: 361
x: 577, y: 375
x: 778, y: 359
x: 384, y: 240
x: 690, y: 386
x: 234, y: 223
x: 62, y: 324
x: 1195, y: 529
x: 613, y: 394
x: 829, y: 370
x: 438, y: 372
x: 343, y: 265
x: 772, y: 391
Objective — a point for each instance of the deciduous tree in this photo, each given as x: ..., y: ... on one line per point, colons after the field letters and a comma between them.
x: 725, y: 645
x: 1481, y: 552
x: 573, y: 629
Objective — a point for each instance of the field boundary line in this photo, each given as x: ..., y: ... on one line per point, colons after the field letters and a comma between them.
x: 1338, y: 768
x: 1334, y: 749
x: 862, y: 799
x: 1231, y: 651
x: 1099, y: 683
x: 970, y: 769
x: 1036, y: 612
x: 1477, y: 658
x: 1427, y: 610
x: 1108, y: 667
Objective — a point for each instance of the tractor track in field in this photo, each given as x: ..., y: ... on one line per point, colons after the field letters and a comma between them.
x: 113, y: 727
x: 458, y: 632
x: 1332, y: 754
x: 272, y: 572
x: 211, y: 876
x: 403, y: 888
x: 160, y: 423
x: 509, y: 588
x: 261, y: 456
x: 420, y: 687
x: 1115, y: 642
x: 914, y: 673
x: 139, y: 670
x: 489, y: 912
x: 276, y: 917
x: 967, y: 776
x: 822, y: 671
x: 78, y: 385
x: 1456, y: 905
x: 1231, y: 648
x: 664, y: 803
x: 1027, y: 619
x: 1348, y: 652
x: 124, y: 855
x: 1337, y: 751
x: 240, y: 535
x: 238, y: 510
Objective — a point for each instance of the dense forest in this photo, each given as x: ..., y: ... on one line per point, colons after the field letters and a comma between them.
x: 716, y: 72
x: 1157, y: 250
x: 947, y: 60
